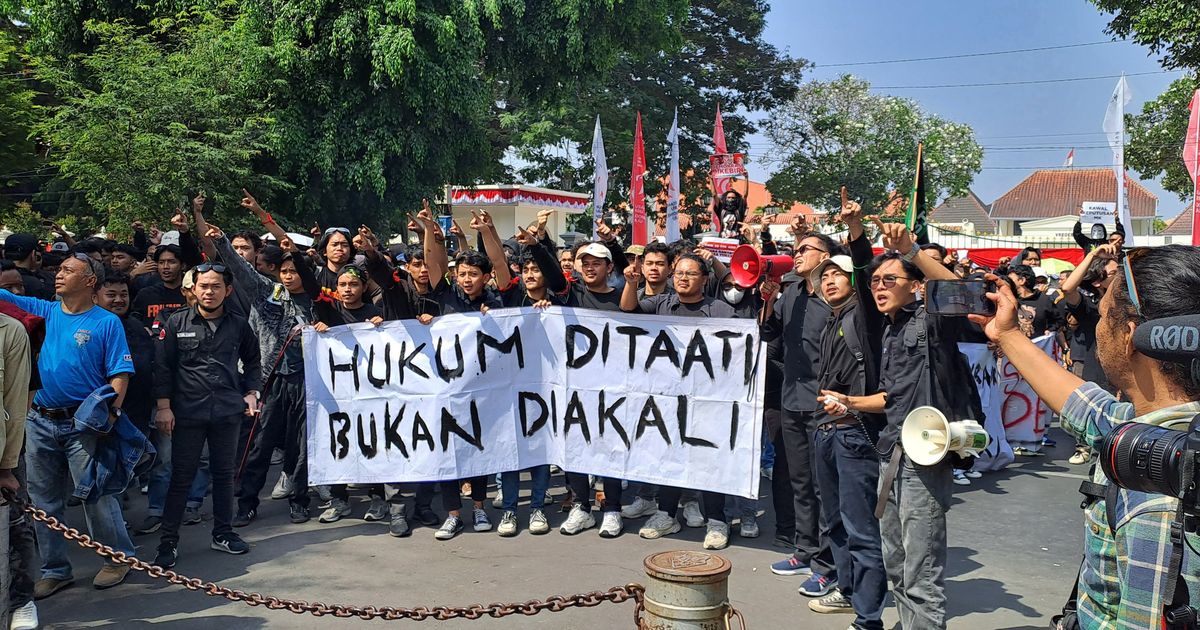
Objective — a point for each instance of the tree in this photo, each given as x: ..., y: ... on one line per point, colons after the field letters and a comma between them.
x: 1170, y: 28
x: 1156, y: 137
x: 836, y: 133
x: 18, y: 113
x: 721, y: 59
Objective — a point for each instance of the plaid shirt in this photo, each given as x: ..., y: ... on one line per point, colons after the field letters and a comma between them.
x: 1123, y: 579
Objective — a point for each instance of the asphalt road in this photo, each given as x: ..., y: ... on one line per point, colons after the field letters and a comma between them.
x: 1015, y: 542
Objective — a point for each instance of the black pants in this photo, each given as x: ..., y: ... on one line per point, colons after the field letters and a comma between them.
x: 781, y: 483
x: 583, y: 492
x: 187, y: 442
x: 281, y: 424
x: 812, y: 539
x: 450, y: 493
x: 713, y: 502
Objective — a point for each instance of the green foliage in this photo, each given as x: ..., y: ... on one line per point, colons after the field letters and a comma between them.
x: 1170, y: 28
x: 21, y: 217
x: 18, y: 114
x: 150, y: 117
x: 1157, y: 134
x: 720, y: 58
x: 837, y: 133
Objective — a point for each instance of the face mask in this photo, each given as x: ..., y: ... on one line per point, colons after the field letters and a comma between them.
x: 733, y: 295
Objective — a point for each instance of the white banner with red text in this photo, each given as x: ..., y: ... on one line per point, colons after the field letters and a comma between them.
x: 664, y: 400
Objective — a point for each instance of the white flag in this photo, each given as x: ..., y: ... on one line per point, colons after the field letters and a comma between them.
x: 673, y: 191
x: 1070, y: 161
x: 600, y: 187
x: 1114, y: 128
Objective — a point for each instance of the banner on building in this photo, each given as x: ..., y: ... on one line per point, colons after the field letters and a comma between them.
x: 664, y: 400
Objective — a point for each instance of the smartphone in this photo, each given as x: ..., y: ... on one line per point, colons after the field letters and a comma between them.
x: 959, y: 297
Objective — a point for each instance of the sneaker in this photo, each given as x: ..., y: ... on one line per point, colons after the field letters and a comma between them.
x: 538, y: 524
x: 960, y: 478
x: 577, y: 521
x: 691, y: 514
x: 449, y: 529
x: 973, y: 474
x: 336, y: 510
x: 398, y: 526
x: 498, y: 500
x: 610, y: 525
x: 1046, y: 441
x: 482, y: 524
x: 230, y: 543
x: 167, y: 555
x: 109, y: 576
x: 817, y: 585
x: 191, y: 516
x: 428, y: 517
x: 277, y: 457
x: 1081, y: 456
x: 25, y: 617
x: 717, y: 536
x: 46, y: 587
x: 324, y: 496
x: 659, y: 525
x: 639, y: 508
x: 378, y: 510
x: 790, y: 565
x: 1021, y: 451
x: 283, y: 487
x: 243, y: 519
x: 149, y: 526
x: 508, y: 524
x: 834, y: 602
x: 298, y: 513
x: 749, y: 527
x: 548, y: 499
x: 145, y: 488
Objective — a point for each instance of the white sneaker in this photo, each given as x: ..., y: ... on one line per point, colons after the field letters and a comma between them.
x: 639, y: 508
x: 283, y: 487
x: 449, y: 529
x: 659, y: 525
x: 498, y: 501
x: 482, y: 524
x: 973, y: 474
x: 25, y: 617
x: 610, y: 526
x: 508, y: 525
x: 336, y: 510
x: 717, y: 536
x: 691, y: 514
x: 960, y: 479
x: 538, y: 524
x: 577, y: 521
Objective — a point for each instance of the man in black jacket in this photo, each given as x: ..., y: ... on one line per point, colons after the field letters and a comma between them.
x: 198, y: 379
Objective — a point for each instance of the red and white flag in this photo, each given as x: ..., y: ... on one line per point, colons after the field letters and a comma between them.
x: 637, y: 190
x: 1070, y: 161
x: 722, y: 185
x: 1191, y: 158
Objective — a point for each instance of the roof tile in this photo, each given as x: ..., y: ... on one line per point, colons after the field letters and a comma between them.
x: 1058, y: 192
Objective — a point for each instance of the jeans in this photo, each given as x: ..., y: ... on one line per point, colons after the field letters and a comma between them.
x: 812, y: 540
x: 55, y: 462
x: 160, y: 477
x: 280, y: 424
x: 913, y: 530
x: 510, y: 487
x: 187, y: 442
x: 847, y: 469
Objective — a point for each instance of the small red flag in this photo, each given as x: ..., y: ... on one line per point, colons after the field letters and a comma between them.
x: 637, y: 194
x: 1191, y: 158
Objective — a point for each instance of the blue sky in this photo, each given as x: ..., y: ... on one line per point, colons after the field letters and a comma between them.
x: 825, y: 31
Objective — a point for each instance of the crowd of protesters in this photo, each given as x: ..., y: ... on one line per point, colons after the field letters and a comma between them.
x: 185, y: 358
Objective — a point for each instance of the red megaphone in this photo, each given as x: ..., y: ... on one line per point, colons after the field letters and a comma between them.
x: 748, y: 266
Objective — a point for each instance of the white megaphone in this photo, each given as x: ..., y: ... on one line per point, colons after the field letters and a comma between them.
x: 927, y: 436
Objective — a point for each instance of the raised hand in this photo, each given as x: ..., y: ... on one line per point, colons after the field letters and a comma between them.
x: 633, y: 274
x: 543, y: 218
x: 198, y: 202
x: 179, y: 221
x: 1005, y: 319
x: 851, y: 211
x: 525, y: 237
x: 315, y: 230
x: 213, y: 232
x: 250, y: 203
x: 603, y: 231
x: 288, y: 246
x: 368, y: 237
x: 798, y: 226
x: 895, y: 236
x: 155, y: 235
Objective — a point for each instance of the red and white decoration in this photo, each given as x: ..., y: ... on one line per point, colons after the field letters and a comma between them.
x: 515, y: 195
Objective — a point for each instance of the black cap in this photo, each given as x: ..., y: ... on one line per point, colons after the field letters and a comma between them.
x: 19, y: 246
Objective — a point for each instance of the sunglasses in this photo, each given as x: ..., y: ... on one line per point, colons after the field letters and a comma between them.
x: 203, y: 267
x: 888, y: 281
x: 1130, y: 283
x: 343, y: 230
x: 804, y: 249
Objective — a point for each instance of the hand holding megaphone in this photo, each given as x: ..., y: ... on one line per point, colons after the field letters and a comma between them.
x: 927, y: 436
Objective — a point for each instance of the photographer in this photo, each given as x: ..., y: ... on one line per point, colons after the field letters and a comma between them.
x: 1122, y: 581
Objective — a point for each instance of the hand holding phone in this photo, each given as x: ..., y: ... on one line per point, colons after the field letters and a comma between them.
x: 959, y: 297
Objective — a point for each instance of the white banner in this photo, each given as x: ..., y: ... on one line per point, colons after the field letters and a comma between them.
x: 1098, y: 212
x: 665, y: 400
x: 1024, y: 414
x: 985, y: 369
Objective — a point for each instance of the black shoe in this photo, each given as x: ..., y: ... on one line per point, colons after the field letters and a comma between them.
x: 428, y: 517
x: 243, y: 519
x: 149, y: 526
x: 167, y: 555
x: 298, y: 514
x: 230, y: 543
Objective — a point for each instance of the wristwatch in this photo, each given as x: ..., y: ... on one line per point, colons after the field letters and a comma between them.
x: 912, y: 254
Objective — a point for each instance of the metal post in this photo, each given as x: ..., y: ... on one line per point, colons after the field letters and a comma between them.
x: 687, y: 590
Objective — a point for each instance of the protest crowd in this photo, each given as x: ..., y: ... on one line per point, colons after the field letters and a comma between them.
x: 192, y: 350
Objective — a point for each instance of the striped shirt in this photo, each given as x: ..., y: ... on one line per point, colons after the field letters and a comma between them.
x: 1124, y: 574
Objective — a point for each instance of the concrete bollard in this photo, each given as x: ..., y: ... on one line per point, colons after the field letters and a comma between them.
x: 687, y: 590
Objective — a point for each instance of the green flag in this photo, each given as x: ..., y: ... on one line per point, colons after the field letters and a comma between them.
x: 916, y: 218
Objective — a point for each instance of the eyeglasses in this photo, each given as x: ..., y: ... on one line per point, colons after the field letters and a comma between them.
x: 887, y: 281
x: 1130, y: 284
x: 804, y: 249
x: 687, y: 274
x: 204, y: 267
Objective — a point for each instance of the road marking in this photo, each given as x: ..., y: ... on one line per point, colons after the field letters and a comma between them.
x: 1055, y: 473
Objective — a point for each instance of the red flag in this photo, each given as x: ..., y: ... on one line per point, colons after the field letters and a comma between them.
x: 719, y: 134
x: 1070, y: 161
x: 720, y: 186
x: 1191, y: 159
x: 637, y: 194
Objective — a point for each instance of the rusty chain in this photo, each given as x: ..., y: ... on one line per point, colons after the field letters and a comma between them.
x: 554, y: 603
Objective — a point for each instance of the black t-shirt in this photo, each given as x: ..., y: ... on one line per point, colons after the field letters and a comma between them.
x: 1039, y: 310
x: 451, y: 299
x: 334, y: 313
x: 36, y: 284
x: 155, y: 302
x: 1082, y: 339
x: 581, y: 297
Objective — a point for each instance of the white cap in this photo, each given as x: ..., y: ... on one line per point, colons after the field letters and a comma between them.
x: 598, y: 250
x: 840, y: 261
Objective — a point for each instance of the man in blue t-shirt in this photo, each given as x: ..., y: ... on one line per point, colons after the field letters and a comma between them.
x: 84, y: 349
